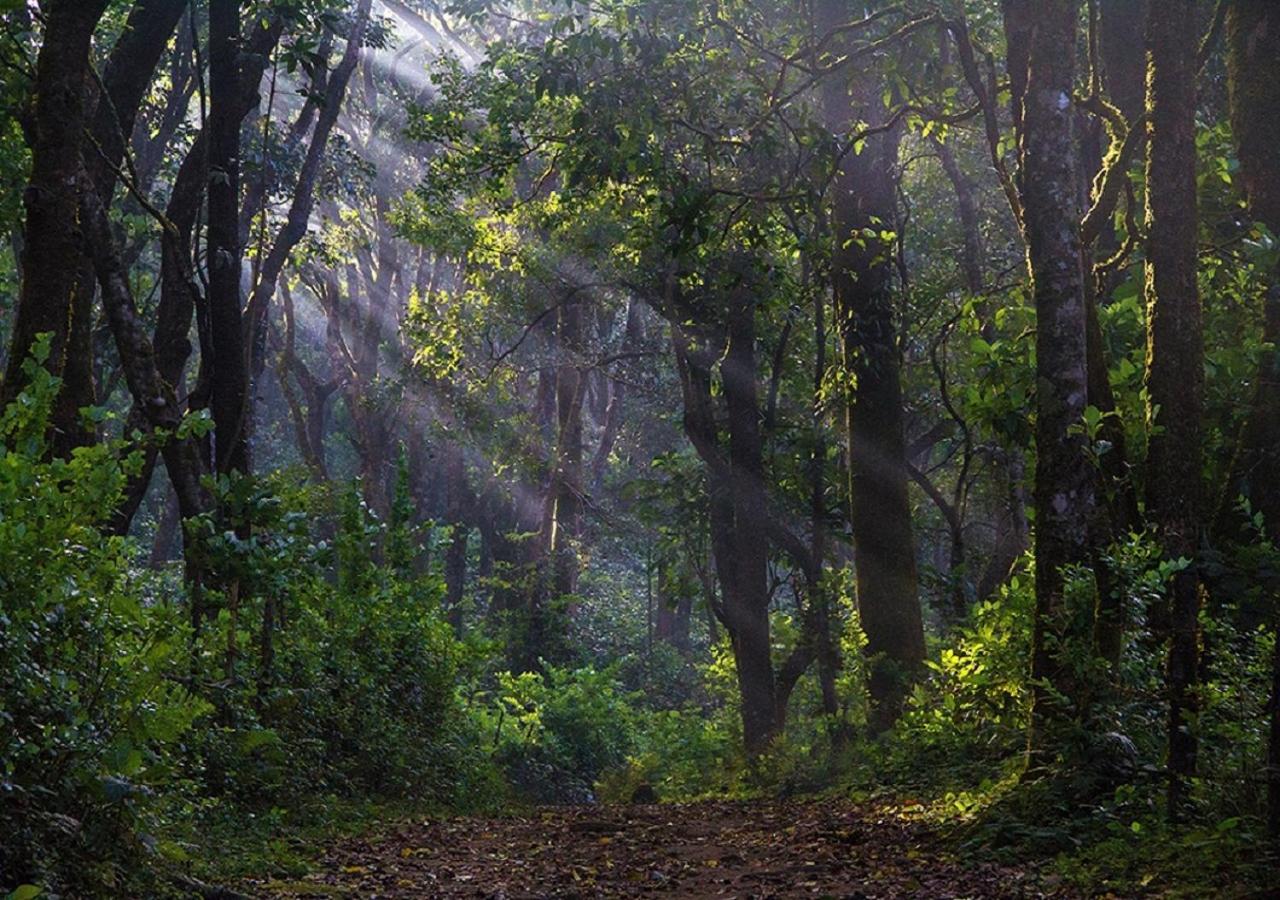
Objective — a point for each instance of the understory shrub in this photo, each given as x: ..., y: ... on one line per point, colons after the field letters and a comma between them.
x: 93, y: 704
x: 122, y: 731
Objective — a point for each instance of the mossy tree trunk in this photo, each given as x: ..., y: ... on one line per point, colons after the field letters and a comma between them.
x: 1042, y: 58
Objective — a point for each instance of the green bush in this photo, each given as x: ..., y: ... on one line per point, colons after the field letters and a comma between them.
x: 555, y: 733
x: 122, y: 734
x: 93, y: 707
x: 975, y: 698
x: 360, y: 697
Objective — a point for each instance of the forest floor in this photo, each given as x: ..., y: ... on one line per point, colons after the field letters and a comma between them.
x: 744, y: 849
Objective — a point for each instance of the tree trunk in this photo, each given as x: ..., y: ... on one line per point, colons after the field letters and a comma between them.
x: 566, y: 484
x: 455, y: 560
x: 865, y: 203
x: 613, y: 413
x: 151, y: 392
x: 179, y: 292
x: 827, y: 650
x: 737, y: 509
x: 1121, y: 24
x: 126, y: 77
x: 1253, y: 69
x: 1042, y: 47
x: 295, y: 227
x: 229, y: 367
x: 53, y: 237
x: 1175, y: 356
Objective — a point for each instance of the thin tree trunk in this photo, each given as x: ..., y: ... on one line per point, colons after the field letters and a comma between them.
x: 566, y: 518
x: 295, y: 227
x: 455, y: 561
x: 613, y: 414
x: 828, y: 651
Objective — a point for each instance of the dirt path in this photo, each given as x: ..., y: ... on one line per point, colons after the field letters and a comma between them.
x: 712, y: 849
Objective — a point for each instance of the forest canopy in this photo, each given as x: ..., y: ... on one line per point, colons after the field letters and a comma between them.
x: 453, y: 407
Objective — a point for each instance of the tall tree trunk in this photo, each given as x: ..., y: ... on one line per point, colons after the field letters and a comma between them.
x: 750, y: 612
x: 865, y: 202
x: 1253, y: 69
x: 179, y: 293
x: 53, y: 236
x: 230, y: 366
x: 1042, y: 48
x: 1120, y: 26
x: 737, y: 522
x: 827, y: 650
x: 1175, y: 356
x: 1253, y: 66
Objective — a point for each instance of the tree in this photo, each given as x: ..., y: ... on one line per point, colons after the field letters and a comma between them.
x: 1042, y: 47
x: 864, y: 222
x: 51, y: 258
x: 1253, y: 68
x: 1175, y: 357
x: 229, y: 368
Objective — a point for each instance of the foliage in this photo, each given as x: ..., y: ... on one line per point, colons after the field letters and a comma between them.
x: 123, y: 729
x: 554, y: 733
x: 94, y: 706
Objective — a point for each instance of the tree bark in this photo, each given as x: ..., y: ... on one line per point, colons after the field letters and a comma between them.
x: 150, y: 391
x: 126, y: 77
x: 53, y: 232
x: 180, y: 296
x: 230, y: 381
x: 566, y: 482
x: 295, y: 227
x: 750, y: 612
x: 736, y: 521
x: 1042, y: 47
x: 1175, y: 356
x: 864, y: 207
x: 455, y: 560
x: 827, y: 650
x: 632, y: 337
x: 1121, y: 24
x: 1253, y: 70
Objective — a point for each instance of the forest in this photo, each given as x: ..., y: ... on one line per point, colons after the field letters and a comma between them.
x: 601, y: 448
